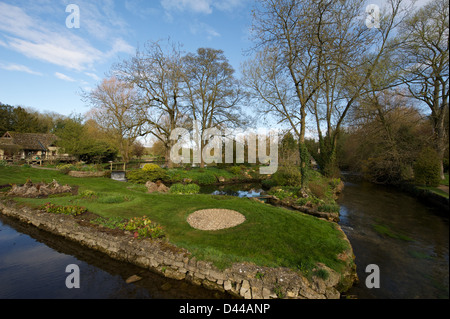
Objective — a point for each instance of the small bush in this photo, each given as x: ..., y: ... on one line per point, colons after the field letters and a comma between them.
x: 236, y: 170
x: 329, y: 208
x: 427, y: 168
x: 142, y: 177
x: 317, y: 188
x: 88, y: 194
x: 281, y: 193
x: 66, y: 210
x: 205, y: 179
x: 287, y: 176
x: 151, y: 168
x: 143, y: 227
x: 185, y: 189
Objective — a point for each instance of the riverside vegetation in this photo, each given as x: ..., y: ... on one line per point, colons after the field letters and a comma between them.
x: 270, y: 237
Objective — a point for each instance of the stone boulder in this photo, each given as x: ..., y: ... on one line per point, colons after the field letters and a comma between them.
x: 158, y: 187
x: 30, y: 189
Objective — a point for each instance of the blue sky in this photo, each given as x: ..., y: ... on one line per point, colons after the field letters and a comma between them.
x: 44, y: 65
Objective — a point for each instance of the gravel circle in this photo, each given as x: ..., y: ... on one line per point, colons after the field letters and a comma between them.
x: 215, y: 219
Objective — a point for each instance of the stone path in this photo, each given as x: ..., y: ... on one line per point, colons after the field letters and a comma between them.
x: 215, y: 219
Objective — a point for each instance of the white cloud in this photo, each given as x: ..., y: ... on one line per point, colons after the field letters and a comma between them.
x: 229, y: 5
x: 93, y: 76
x: 54, y: 43
x: 58, y: 52
x: 121, y: 46
x: 202, y: 6
x: 197, y: 28
x: 196, y: 6
x: 19, y: 68
x: 64, y: 77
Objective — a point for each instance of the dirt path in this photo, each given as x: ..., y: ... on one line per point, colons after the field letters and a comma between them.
x: 443, y: 188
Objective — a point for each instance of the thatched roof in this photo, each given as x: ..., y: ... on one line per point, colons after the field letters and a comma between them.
x: 27, y: 141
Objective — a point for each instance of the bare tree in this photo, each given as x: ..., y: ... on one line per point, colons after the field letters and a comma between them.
x: 353, y: 58
x: 316, y: 57
x: 424, y: 52
x: 211, y: 91
x: 157, y: 72
x: 116, y: 109
x: 283, y: 76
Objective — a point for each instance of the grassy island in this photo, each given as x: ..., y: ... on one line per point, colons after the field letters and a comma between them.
x: 270, y: 236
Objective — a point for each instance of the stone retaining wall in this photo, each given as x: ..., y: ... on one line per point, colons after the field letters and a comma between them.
x: 86, y: 174
x: 241, y: 280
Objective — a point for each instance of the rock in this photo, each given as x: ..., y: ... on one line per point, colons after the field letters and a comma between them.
x: 174, y: 274
x: 227, y: 285
x: 266, y: 293
x: 166, y: 287
x: 156, y: 187
x: 245, y: 289
x: 31, y: 190
x: 132, y: 279
x: 221, y: 179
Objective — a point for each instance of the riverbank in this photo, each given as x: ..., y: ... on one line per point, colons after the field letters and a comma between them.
x: 313, y: 252
x: 434, y: 196
x: 243, y: 280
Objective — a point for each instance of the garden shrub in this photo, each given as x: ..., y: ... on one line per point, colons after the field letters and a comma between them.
x: 427, y: 168
x: 88, y: 194
x: 317, y: 189
x: 287, y: 176
x: 141, y: 227
x: 71, y: 210
x: 184, y: 189
x: 206, y: 179
x: 236, y: 170
x: 151, y: 168
x: 142, y: 176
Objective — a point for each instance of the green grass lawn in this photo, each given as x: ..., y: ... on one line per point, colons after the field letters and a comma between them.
x: 445, y: 181
x: 270, y: 236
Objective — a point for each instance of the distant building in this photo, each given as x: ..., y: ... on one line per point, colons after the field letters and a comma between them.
x: 28, y: 146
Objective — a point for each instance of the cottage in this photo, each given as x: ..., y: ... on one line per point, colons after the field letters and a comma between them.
x: 28, y: 146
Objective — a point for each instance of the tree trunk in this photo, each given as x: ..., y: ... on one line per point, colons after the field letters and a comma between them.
x: 304, y: 163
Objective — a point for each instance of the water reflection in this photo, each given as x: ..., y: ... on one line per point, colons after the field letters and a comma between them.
x: 33, y: 264
x: 405, y: 238
x: 239, y: 190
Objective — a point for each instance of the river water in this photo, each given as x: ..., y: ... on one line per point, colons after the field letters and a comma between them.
x: 33, y: 266
x: 404, y: 237
x: 407, y: 239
